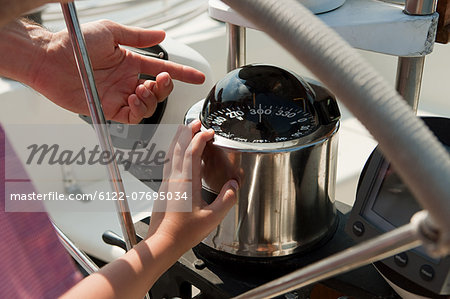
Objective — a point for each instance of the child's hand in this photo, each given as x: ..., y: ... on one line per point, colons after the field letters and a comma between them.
x: 183, y: 174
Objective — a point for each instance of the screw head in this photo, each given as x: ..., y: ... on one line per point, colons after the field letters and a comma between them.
x: 199, y: 264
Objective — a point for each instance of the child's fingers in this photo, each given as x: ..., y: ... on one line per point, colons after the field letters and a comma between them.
x: 193, y: 154
x: 223, y: 202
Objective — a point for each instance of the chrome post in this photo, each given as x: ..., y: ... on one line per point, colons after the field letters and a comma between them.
x: 410, y: 69
x: 386, y: 245
x: 420, y: 7
x: 76, y: 253
x: 98, y: 118
x: 409, y: 79
x: 236, y: 46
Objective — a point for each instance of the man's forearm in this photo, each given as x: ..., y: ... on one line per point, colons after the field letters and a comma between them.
x: 11, y: 10
x: 23, y: 45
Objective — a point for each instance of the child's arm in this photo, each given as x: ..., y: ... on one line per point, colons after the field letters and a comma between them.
x: 170, y: 233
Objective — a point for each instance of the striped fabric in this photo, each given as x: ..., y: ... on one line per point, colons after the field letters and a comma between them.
x: 33, y: 263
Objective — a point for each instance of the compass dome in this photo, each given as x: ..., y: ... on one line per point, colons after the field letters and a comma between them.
x: 260, y: 103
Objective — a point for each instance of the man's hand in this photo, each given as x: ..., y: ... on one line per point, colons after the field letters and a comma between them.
x: 124, y: 97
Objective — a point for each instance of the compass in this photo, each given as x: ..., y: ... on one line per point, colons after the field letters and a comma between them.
x: 266, y: 104
x: 261, y: 104
x: 276, y: 134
